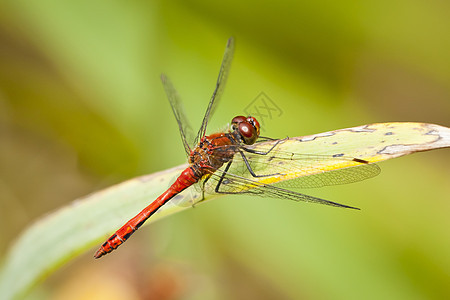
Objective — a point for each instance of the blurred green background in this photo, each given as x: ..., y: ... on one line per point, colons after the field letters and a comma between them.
x: 82, y: 108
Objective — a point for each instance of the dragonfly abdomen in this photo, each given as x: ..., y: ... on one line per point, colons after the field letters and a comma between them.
x: 186, y: 179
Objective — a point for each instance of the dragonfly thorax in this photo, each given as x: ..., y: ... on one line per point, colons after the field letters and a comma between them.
x: 212, y: 152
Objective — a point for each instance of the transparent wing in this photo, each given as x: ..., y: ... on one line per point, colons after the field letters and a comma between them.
x: 186, y: 132
x: 234, y: 184
x: 294, y: 170
x: 220, y: 84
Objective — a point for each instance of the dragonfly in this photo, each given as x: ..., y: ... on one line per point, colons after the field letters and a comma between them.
x: 241, y: 161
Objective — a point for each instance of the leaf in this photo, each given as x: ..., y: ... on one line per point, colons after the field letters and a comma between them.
x: 62, y: 235
x: 86, y: 222
x: 371, y: 143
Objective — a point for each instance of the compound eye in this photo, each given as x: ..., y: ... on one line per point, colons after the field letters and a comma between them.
x: 236, y: 121
x: 248, y: 133
x: 255, y: 124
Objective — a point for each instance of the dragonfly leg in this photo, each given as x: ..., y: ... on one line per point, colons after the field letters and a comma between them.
x: 249, y: 168
x: 265, y: 139
x: 222, y: 178
x: 203, y: 183
x: 262, y: 152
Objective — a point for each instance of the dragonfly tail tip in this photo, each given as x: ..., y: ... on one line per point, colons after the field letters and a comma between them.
x: 99, y: 253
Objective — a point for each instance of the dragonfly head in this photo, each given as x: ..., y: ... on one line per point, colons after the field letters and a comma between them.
x: 247, y: 128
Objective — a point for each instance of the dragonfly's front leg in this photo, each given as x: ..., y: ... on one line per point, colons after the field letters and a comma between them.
x: 265, y: 139
x: 247, y: 164
x: 262, y: 152
x: 249, y: 168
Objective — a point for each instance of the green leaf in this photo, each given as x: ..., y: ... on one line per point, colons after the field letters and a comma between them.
x: 62, y: 235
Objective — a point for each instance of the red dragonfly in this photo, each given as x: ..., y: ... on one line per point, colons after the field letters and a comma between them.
x: 236, y: 162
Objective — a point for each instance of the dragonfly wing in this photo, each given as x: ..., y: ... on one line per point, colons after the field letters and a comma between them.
x: 294, y: 170
x: 220, y: 84
x: 187, y: 134
x: 228, y: 183
x: 336, y: 177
